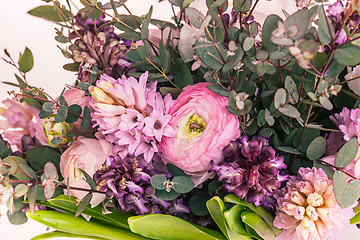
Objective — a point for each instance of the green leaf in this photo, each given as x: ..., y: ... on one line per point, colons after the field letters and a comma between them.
x: 209, y: 54
x: 145, y: 25
x: 72, y: 67
x: 346, y: 194
x: 216, y: 29
x: 182, y: 74
x: 73, y: 109
x: 280, y: 98
x: 48, y: 107
x: 242, y: 5
x: 38, y: 157
x: 327, y: 169
x: 133, y: 36
x: 182, y: 184
x: 17, y: 218
x: 61, y: 114
x: 291, y: 87
x: 197, y: 204
x: 300, y: 19
x: 325, y: 102
x: 348, y: 55
x: 167, y: 196
x: 26, y: 61
x: 218, y: 90
x: 217, y: 208
x: 162, y: 227
x: 4, y: 150
x: 289, y: 150
x: 86, y: 120
x: 62, y: 235
x: 316, y: 149
x: 233, y: 60
x: 347, y: 153
x: 234, y: 221
x: 290, y: 111
x: 49, y: 13
x: 174, y: 170
x: 68, y: 223
x: 89, y: 180
x: 355, y: 219
x: 64, y: 203
x: 248, y: 43
x: 31, y: 197
x: 157, y: 181
x: 268, y: 218
x: 84, y: 204
x: 165, y: 60
x: 269, y: 26
x: 258, y: 224
x: 326, y: 30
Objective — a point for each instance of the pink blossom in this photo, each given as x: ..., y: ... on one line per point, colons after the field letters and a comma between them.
x: 157, y: 125
x: 203, y: 128
x: 348, y: 121
x: 18, y: 121
x: 121, y: 107
x: 307, y: 208
x: 86, y: 154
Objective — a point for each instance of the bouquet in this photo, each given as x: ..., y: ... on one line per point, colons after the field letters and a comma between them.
x: 233, y: 120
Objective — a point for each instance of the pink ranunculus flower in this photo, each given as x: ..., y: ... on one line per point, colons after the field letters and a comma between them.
x: 203, y: 128
x: 87, y: 154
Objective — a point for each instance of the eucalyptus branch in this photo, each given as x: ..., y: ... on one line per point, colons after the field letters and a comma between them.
x: 161, y: 72
x: 337, y: 168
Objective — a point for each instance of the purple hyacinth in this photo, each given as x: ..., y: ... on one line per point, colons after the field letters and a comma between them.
x: 128, y: 180
x: 252, y: 171
x: 96, y: 44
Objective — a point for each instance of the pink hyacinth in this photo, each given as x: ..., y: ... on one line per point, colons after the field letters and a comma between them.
x: 348, y: 121
x: 307, y: 208
x: 130, y: 113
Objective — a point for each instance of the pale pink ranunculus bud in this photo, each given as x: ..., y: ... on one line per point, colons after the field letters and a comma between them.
x: 15, y: 121
x: 87, y: 154
x: 353, y: 78
x: 203, y: 128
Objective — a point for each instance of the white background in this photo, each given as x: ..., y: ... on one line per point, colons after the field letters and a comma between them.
x: 18, y: 29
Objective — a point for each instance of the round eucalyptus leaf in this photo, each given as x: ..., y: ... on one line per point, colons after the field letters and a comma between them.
x: 157, y: 181
x: 182, y: 184
x: 316, y: 149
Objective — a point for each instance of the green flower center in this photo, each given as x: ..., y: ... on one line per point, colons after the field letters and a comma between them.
x: 195, y: 126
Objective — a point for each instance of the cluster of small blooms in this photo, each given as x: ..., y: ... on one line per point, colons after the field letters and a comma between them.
x: 348, y: 121
x: 128, y: 180
x: 98, y: 45
x: 336, y: 12
x: 307, y: 208
x: 131, y: 114
x: 252, y: 170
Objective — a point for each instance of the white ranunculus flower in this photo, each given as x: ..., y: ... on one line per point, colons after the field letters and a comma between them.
x: 264, y: 8
x: 354, y: 85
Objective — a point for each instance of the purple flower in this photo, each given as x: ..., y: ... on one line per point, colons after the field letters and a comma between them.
x: 128, y: 180
x: 254, y: 174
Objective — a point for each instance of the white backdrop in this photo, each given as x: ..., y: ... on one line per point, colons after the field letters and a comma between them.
x: 18, y: 29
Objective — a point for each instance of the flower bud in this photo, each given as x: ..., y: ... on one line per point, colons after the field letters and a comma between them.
x: 53, y: 130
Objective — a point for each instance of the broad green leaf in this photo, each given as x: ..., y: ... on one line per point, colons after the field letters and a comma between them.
x: 269, y: 118
x: 258, y: 224
x: 308, y: 136
x: 26, y: 61
x: 280, y: 98
x: 290, y: 111
x: 269, y: 26
x: 157, y: 181
x: 291, y: 87
x: 197, y: 204
x: 64, y: 235
x: 162, y: 227
x: 38, y: 157
x: 234, y: 221
x: 182, y: 184
x: 66, y: 222
x: 242, y: 5
x: 61, y: 114
x: 17, y: 218
x: 347, y: 153
x: 300, y: 19
x: 72, y: 110
x: 216, y: 209
x: 167, y: 196
x: 326, y: 30
x: 49, y: 13
x: 348, y: 55
x: 64, y: 203
x: 316, y: 149
x: 346, y: 194
x: 182, y: 74
x: 268, y: 218
x: 326, y: 103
